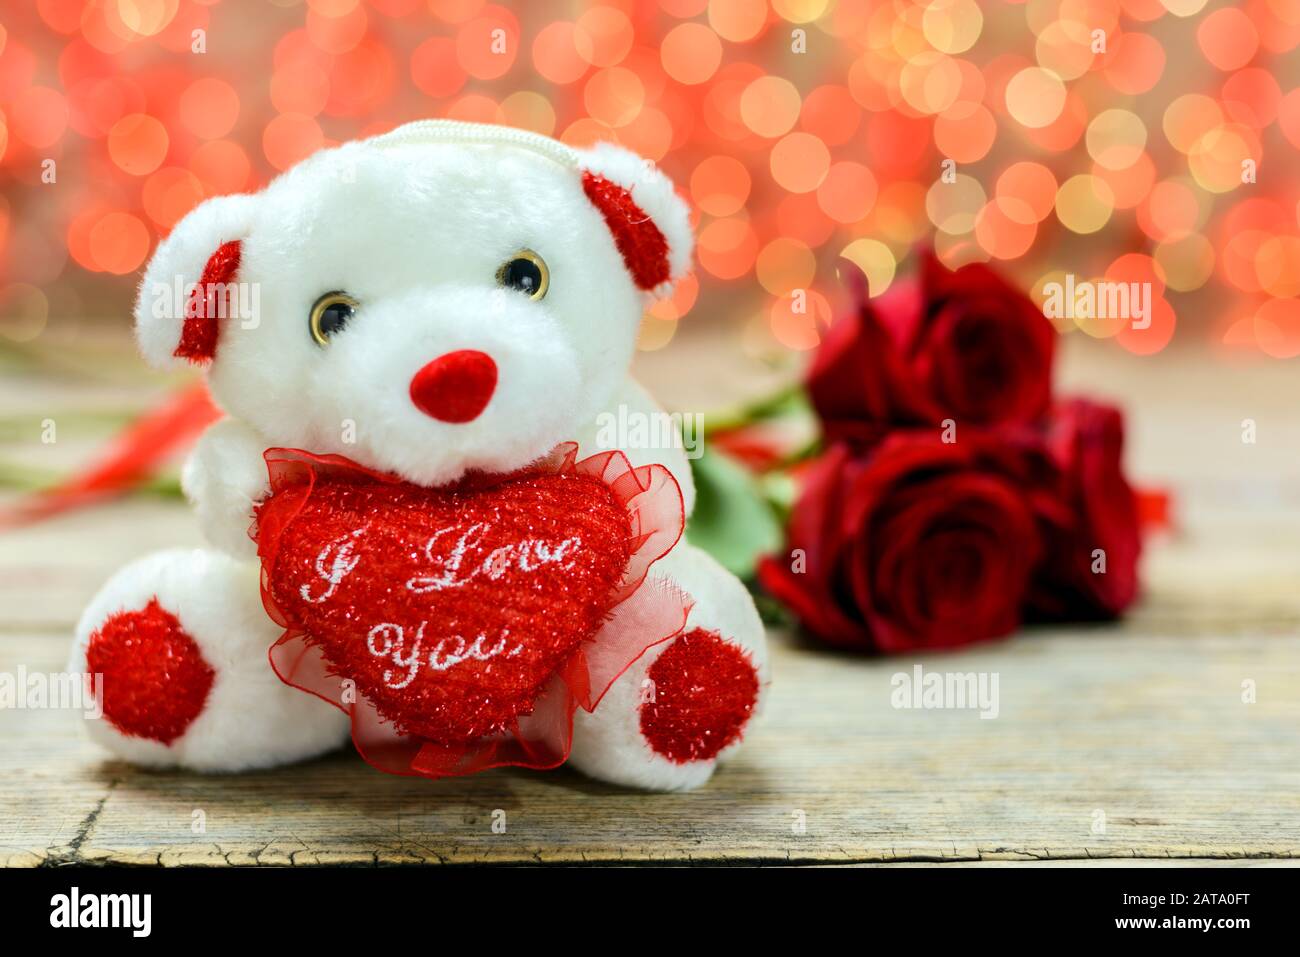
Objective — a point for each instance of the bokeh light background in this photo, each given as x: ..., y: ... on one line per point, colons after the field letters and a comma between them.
x: 809, y: 135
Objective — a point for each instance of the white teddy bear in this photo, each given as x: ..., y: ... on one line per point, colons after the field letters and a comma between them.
x: 413, y: 338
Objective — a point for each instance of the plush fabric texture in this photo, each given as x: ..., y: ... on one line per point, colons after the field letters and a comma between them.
x: 223, y: 478
x: 644, y: 249
x: 249, y: 719
x: 204, y: 310
x: 652, y: 192
x: 177, y: 265
x: 704, y: 690
x: 600, y: 434
x: 455, y: 387
x: 454, y: 643
x: 155, y: 680
x: 610, y: 744
x: 439, y: 374
x: 450, y: 571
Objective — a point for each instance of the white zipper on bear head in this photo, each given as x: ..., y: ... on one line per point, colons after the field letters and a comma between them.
x: 458, y: 131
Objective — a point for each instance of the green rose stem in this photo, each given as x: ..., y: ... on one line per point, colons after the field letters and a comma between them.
x: 25, y: 478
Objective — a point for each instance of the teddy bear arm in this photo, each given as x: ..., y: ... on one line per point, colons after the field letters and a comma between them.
x: 225, y: 477
x: 634, y: 423
x: 686, y: 704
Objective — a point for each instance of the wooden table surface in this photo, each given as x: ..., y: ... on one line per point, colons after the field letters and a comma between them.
x: 1129, y: 742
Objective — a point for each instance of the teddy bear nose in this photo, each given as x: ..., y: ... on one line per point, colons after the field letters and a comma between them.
x: 455, y: 387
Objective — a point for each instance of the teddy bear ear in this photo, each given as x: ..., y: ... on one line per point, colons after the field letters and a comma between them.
x: 184, y: 297
x: 650, y: 223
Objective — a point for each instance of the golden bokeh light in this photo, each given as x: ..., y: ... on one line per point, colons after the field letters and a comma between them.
x: 930, y: 82
x: 691, y: 53
x: 1084, y: 203
x: 800, y: 11
x: 38, y: 116
x: 875, y: 260
x: 737, y: 20
x: 1188, y: 118
x: 1001, y: 236
x: 1026, y: 192
x: 720, y: 185
x: 1131, y: 138
x: 952, y: 26
x: 784, y: 265
x: 1228, y: 38
x: 555, y: 55
x: 953, y: 206
x: 965, y: 132
x: 1171, y: 211
x: 1218, y: 159
x: 169, y: 194
x: 1277, y: 266
x: 830, y: 114
x: 603, y: 35
x: 118, y: 243
x: 799, y: 162
x: 530, y: 111
x: 728, y: 247
x: 210, y: 108
x: 1035, y: 97
x: 1277, y: 327
x: 770, y: 106
x: 289, y: 138
x: 848, y: 192
x: 1065, y: 48
x: 1252, y: 97
x: 137, y: 143
x: 1116, y: 139
x: 797, y: 320
x: 1137, y: 63
x: 1187, y: 262
x: 1184, y: 8
x: 614, y: 96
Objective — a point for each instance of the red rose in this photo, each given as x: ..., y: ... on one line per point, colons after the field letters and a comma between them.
x: 964, y: 345
x: 858, y: 381
x: 1090, y: 527
x: 909, y: 542
x: 917, y: 544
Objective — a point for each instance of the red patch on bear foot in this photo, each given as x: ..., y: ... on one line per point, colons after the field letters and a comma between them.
x: 155, y: 681
x: 705, y: 690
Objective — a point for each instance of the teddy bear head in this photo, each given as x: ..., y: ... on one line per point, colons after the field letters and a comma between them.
x: 443, y: 298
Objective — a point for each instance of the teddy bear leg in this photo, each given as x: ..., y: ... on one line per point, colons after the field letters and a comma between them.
x: 685, y: 704
x: 178, y: 644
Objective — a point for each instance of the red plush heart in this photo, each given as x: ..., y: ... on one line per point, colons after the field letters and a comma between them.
x: 449, y: 608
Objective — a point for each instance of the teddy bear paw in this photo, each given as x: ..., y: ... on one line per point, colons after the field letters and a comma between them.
x: 176, y: 646
x: 698, y: 697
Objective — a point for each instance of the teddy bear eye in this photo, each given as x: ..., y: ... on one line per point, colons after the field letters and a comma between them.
x: 527, y: 272
x: 331, y: 313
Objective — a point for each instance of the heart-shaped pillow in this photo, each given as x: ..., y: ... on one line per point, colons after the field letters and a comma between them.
x: 452, y: 609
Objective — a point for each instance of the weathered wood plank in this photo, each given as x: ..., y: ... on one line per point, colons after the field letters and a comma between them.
x: 50, y: 570
x: 1150, y: 731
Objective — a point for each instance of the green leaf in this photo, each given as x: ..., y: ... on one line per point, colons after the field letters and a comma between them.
x: 732, y: 520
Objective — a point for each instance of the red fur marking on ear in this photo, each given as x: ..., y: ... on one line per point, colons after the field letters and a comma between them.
x: 155, y: 680
x: 199, y: 330
x: 643, y: 246
x: 705, y: 690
